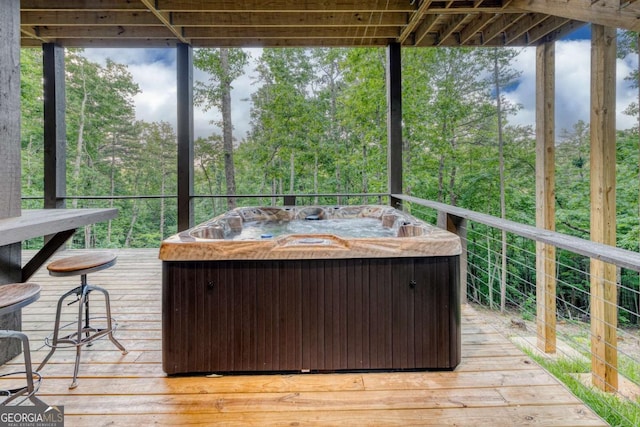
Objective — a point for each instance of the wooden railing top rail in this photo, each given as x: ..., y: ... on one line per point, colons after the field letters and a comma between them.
x: 610, y: 254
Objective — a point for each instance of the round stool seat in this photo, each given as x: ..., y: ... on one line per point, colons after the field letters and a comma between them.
x: 16, y: 295
x: 81, y: 264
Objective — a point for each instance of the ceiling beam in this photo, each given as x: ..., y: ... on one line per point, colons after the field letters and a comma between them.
x: 289, y: 19
x: 69, y: 18
x: 292, y: 32
x: 223, y: 5
x: 562, y: 31
x: 451, y: 28
x: 80, y: 5
x: 496, y: 28
x: 625, y: 3
x: 523, y: 26
x: 427, y: 25
x: 115, y: 32
x: 474, y: 27
x: 536, y: 34
x: 33, y: 34
x: 609, y: 14
x: 165, y: 19
x: 210, y: 19
x: 414, y: 20
x: 285, y: 5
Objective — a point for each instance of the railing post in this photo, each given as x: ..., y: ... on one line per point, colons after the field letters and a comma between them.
x: 545, y: 197
x: 10, y: 190
x: 394, y: 122
x: 184, y: 64
x: 55, y: 132
x: 457, y: 225
x: 604, y: 314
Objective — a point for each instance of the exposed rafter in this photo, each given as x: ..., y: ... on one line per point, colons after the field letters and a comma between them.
x: 165, y: 19
x: 475, y: 27
x: 33, y: 34
x: 414, y: 20
x: 427, y: 25
x: 523, y: 26
x: 607, y: 13
x: 347, y: 23
x: 451, y: 28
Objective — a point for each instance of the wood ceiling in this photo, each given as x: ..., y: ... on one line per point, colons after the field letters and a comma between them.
x: 314, y: 23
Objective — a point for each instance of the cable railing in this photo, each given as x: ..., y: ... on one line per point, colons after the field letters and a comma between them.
x: 574, y: 330
x: 584, y: 358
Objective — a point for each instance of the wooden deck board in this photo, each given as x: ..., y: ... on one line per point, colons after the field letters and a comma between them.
x: 495, y: 384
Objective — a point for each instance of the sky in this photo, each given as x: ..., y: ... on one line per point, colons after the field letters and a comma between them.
x: 155, y: 72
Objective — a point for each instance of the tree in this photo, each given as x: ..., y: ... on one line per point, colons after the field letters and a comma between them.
x: 362, y: 163
x: 100, y: 116
x: 224, y: 66
x: 282, y: 118
x: 503, y: 76
x: 32, y: 128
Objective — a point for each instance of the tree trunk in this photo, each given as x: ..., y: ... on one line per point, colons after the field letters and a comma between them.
x: 365, y: 183
x: 134, y: 218
x: 162, y: 200
x: 503, y: 208
x: 28, y: 166
x: 88, y: 236
x: 315, y: 178
x: 292, y: 172
x: 207, y: 177
x: 80, y: 141
x: 638, y: 82
x: 274, y: 190
x: 441, y: 179
x: 489, y: 274
x: 227, y: 129
x: 112, y: 179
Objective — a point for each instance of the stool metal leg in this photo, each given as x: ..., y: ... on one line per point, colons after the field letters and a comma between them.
x: 85, y: 333
x: 29, y: 391
x: 109, y: 325
x: 56, y: 328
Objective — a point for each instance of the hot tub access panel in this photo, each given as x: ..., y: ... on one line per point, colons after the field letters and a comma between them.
x: 311, y: 315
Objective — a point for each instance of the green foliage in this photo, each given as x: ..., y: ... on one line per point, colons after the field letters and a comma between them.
x: 613, y: 409
x: 32, y: 122
x: 318, y: 125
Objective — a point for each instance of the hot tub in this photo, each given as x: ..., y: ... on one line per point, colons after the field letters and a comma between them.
x: 298, y: 289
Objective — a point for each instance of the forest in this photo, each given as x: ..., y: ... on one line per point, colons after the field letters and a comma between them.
x: 318, y: 127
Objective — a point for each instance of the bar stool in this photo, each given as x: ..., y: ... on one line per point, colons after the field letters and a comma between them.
x: 84, y: 334
x: 13, y: 297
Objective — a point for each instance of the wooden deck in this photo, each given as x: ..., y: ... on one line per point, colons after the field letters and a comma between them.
x: 495, y: 385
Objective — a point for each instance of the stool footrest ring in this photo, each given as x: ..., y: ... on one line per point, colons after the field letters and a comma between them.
x: 23, y: 391
x: 71, y: 340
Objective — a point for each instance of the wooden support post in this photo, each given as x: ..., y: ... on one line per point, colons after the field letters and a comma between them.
x: 604, y: 316
x: 55, y: 132
x: 545, y: 196
x: 457, y: 225
x: 10, y: 169
x: 185, y: 135
x: 394, y: 122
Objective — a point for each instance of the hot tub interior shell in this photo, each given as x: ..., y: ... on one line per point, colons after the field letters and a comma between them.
x: 307, y: 314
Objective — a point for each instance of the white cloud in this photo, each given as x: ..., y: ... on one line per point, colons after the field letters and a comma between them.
x: 573, y: 81
x: 155, y: 72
